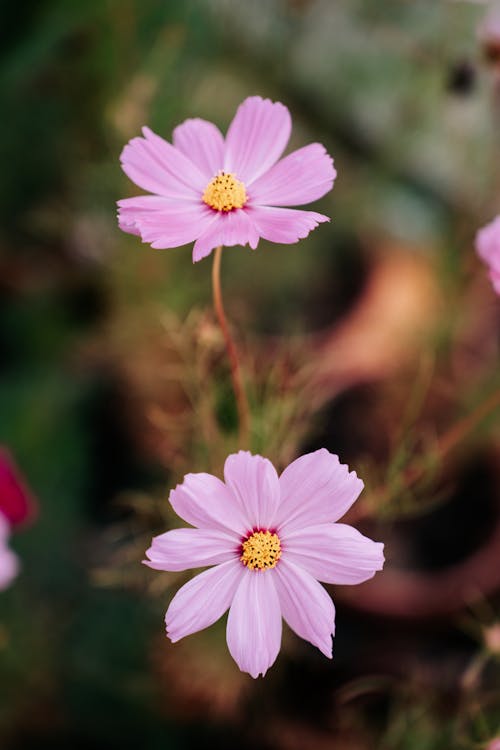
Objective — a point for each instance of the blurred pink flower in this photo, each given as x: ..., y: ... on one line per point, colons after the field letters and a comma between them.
x: 17, y: 504
x: 494, y: 744
x: 8, y: 561
x: 271, y: 539
x: 488, y: 34
x: 214, y: 191
x: 488, y: 249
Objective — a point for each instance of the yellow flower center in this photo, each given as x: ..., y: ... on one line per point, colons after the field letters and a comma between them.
x: 261, y: 551
x: 225, y: 192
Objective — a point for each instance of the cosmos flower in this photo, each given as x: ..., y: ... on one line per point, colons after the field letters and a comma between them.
x: 488, y: 249
x: 270, y: 540
x: 214, y: 191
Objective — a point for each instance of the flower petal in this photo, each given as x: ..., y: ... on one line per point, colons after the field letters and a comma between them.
x: 9, y: 567
x: 204, y: 501
x: 254, y: 483
x: 488, y: 243
x: 130, y: 210
x: 4, y: 528
x: 17, y: 504
x: 305, y: 606
x: 202, y: 142
x: 173, y: 225
x: 301, y: 177
x: 157, y: 166
x: 202, y: 600
x: 335, y: 553
x: 254, y: 623
x: 488, y: 249
x: 284, y: 225
x: 229, y: 229
x: 256, y: 138
x: 316, y: 488
x: 495, y: 280
x: 181, y: 549
x: 163, y: 221
x: 9, y: 563
x: 127, y: 225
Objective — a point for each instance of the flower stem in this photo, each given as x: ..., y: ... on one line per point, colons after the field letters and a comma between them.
x: 239, y: 391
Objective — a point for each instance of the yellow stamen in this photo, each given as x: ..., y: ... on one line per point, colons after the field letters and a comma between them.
x: 225, y: 192
x: 261, y: 551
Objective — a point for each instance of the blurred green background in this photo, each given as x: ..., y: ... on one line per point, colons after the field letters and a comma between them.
x: 400, y: 95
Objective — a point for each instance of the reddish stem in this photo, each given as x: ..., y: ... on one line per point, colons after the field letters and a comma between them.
x: 239, y: 391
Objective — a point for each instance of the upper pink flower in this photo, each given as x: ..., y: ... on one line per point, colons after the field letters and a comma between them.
x: 217, y: 191
x: 488, y: 249
x: 271, y: 539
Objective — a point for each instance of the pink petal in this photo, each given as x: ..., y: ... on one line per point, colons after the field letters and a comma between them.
x: 17, y: 504
x: 254, y: 623
x: 316, y: 488
x: 488, y: 249
x: 495, y: 280
x: 305, y: 606
x: 254, y: 483
x: 256, y: 138
x: 299, y: 178
x: 204, y: 501
x: 283, y: 225
x: 166, y: 222
x: 9, y: 567
x: 201, y: 601
x: 155, y: 165
x: 4, y: 528
x: 488, y: 243
x: 334, y: 553
x: 173, y: 226
x: 128, y: 225
x: 203, y: 143
x: 9, y: 564
x: 139, y: 207
x: 228, y: 229
x: 181, y: 549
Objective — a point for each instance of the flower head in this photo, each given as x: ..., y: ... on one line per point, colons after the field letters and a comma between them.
x: 488, y: 249
x: 214, y: 191
x: 270, y: 540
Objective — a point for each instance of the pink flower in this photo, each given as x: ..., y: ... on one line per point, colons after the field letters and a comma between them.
x: 8, y: 561
x: 488, y: 32
x: 214, y: 191
x: 270, y: 540
x: 17, y: 504
x: 488, y: 249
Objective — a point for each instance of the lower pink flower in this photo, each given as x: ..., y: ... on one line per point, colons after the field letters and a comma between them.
x: 270, y: 540
x: 488, y: 249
